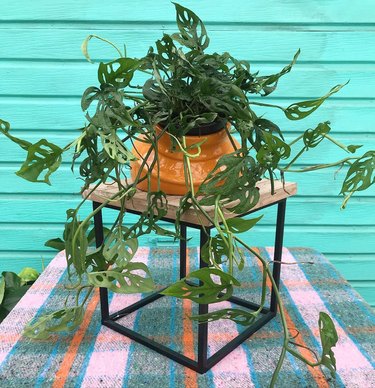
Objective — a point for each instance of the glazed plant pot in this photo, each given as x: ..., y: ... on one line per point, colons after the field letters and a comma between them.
x: 171, y: 160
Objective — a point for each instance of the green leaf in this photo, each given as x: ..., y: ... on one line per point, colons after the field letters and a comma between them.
x: 215, y: 250
x: 5, y: 128
x: 215, y: 286
x: 66, y: 319
x: 12, y: 280
x: 42, y: 157
x: 241, y: 225
x: 353, y: 148
x: 85, y: 43
x: 115, y: 148
x: 28, y: 274
x: 55, y: 243
x: 193, y: 33
x: 14, y: 290
x: 300, y: 110
x: 272, y: 150
x: 118, y: 73
x: 312, y: 137
x: 124, y: 280
x: 224, y: 98
x: 328, y: 338
x: 360, y: 175
x: 95, y: 260
x: 255, y: 132
x: 89, y: 96
x: 118, y: 248
x: 167, y: 51
x: 241, y: 317
x: 2, y: 289
x: 268, y: 84
x: 234, y: 178
x: 75, y: 252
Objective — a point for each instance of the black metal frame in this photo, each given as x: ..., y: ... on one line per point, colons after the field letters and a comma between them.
x: 203, y: 364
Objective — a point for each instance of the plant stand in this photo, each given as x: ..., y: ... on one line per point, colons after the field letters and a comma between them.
x: 137, y: 206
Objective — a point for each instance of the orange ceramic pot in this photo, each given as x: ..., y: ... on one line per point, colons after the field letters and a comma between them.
x: 171, y: 163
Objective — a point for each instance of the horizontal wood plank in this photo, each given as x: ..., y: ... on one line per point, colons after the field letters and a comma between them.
x: 104, y: 193
x: 64, y: 114
x: 234, y: 11
x: 65, y: 43
x: 326, y: 210
x: 312, y: 184
x: 71, y: 79
x: 13, y: 153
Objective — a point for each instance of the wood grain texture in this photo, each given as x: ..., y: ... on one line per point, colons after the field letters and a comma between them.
x: 254, y: 44
x: 13, y: 153
x: 325, y: 183
x: 71, y: 79
x: 104, y: 193
x: 44, y: 75
x: 42, y: 114
x: 233, y: 11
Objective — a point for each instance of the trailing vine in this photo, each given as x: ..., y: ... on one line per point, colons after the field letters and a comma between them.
x: 185, y: 87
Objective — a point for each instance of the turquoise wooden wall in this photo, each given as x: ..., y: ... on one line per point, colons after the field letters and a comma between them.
x: 43, y: 75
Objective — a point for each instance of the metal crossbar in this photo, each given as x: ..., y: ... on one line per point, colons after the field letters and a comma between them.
x: 203, y: 362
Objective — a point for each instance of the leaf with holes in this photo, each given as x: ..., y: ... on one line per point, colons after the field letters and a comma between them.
x: 215, y: 250
x: 328, y: 338
x: 42, y: 157
x: 167, y: 51
x: 255, y: 132
x: 118, y: 73
x: 312, y: 137
x: 241, y: 317
x: 118, y: 248
x: 267, y: 84
x: 300, y: 110
x: 115, y: 148
x: 234, y: 179
x: 126, y: 280
x: 193, y: 33
x: 157, y: 205
x: 272, y: 151
x: 66, y: 319
x: 215, y: 286
x: 361, y: 174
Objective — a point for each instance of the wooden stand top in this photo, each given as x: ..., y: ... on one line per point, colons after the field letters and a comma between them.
x: 139, y: 201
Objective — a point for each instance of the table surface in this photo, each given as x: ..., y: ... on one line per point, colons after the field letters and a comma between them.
x: 95, y: 356
x: 139, y: 201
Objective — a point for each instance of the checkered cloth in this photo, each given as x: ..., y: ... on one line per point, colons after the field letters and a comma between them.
x: 95, y: 356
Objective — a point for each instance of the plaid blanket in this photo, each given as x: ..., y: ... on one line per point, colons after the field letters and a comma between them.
x: 95, y: 356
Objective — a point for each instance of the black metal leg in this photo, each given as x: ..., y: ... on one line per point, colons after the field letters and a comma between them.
x: 278, y: 251
x: 202, y: 309
x: 203, y: 363
x: 183, y: 252
x: 99, y: 238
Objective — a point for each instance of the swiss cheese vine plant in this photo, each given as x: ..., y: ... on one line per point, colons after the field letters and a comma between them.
x: 181, y: 86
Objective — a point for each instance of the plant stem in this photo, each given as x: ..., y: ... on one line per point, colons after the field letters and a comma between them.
x: 281, y: 309
x: 269, y: 105
x: 319, y: 166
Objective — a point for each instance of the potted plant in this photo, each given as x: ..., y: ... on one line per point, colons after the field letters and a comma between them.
x: 166, y: 112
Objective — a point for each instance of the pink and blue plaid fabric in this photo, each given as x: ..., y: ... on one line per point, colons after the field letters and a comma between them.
x: 95, y: 356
